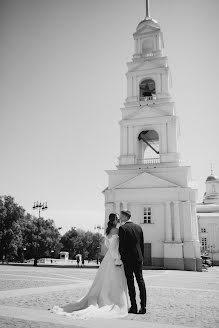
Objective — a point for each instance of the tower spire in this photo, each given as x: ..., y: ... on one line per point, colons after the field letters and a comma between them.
x: 211, y: 169
x: 147, y: 9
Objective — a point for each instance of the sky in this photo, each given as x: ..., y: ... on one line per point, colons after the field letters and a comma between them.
x: 62, y: 85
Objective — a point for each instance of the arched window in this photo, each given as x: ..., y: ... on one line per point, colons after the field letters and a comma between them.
x: 148, y: 46
x: 147, y: 89
x: 148, y: 147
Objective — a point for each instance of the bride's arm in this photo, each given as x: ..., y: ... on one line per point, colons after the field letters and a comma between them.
x: 116, y: 254
x: 106, y: 242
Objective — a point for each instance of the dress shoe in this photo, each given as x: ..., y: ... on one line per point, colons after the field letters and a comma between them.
x: 133, y: 310
x: 142, y: 311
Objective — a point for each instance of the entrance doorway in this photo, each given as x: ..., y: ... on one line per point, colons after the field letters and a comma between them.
x: 147, y: 254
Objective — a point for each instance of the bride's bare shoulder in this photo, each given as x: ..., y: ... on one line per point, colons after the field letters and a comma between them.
x: 114, y: 231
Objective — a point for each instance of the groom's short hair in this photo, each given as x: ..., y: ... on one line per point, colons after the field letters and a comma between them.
x: 127, y: 213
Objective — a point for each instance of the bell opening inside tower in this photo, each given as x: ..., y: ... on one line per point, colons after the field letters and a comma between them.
x: 148, y: 147
x: 147, y: 47
x: 147, y: 90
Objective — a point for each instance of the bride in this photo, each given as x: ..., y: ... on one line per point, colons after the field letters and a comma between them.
x: 108, y: 295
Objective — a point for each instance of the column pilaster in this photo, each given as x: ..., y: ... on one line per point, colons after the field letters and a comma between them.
x: 187, y: 222
x: 124, y: 205
x: 118, y: 207
x: 124, y: 144
x: 195, y: 221
x: 176, y: 224
x: 168, y: 226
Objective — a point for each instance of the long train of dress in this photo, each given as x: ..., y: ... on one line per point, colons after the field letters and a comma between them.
x: 108, y: 295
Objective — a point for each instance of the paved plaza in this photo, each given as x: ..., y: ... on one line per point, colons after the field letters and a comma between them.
x: 175, y: 298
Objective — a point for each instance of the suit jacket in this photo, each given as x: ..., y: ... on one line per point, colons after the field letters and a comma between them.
x: 131, y: 243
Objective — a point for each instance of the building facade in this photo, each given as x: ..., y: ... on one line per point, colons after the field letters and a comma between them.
x: 208, y: 219
x: 150, y: 180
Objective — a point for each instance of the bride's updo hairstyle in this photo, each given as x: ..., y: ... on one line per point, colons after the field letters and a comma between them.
x: 111, y: 223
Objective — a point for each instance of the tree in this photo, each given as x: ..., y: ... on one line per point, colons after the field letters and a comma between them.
x: 77, y: 241
x: 88, y: 243
x: 40, y: 237
x: 96, y: 244
x: 72, y: 242
x: 68, y: 242
x: 11, y: 215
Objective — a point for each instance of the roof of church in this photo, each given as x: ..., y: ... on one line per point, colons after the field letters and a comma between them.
x: 212, y: 178
x: 207, y: 208
x: 148, y: 21
x: 208, y: 214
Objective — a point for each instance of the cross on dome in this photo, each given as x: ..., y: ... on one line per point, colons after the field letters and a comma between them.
x: 211, y: 169
x: 147, y: 9
x: 212, y: 177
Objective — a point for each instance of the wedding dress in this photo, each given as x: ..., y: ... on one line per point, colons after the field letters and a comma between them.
x: 108, y: 295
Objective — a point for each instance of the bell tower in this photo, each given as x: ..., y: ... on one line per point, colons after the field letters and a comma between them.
x: 150, y: 180
x: 149, y: 125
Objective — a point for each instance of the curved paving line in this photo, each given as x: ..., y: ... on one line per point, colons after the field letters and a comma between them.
x: 41, y: 290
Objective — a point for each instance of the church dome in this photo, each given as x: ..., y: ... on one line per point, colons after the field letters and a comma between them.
x: 148, y: 22
x: 212, y: 178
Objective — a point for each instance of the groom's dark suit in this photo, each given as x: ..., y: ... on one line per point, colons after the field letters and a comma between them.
x: 131, y: 248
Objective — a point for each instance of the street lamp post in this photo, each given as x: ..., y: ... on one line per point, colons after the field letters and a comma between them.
x: 40, y: 207
x: 52, y: 255
x: 24, y: 250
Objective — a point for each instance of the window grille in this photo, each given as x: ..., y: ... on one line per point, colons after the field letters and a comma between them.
x: 147, y: 215
x: 204, y: 243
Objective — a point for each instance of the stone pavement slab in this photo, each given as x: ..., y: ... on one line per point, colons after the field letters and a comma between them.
x: 175, y: 299
x: 50, y: 320
x: 182, y: 306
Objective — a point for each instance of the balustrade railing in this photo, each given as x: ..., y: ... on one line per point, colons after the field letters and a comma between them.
x: 148, y: 161
x: 147, y: 98
x: 149, y: 54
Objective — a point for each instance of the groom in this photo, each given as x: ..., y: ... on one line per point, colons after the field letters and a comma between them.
x: 131, y: 248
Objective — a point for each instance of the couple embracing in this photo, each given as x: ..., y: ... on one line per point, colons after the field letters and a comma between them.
x: 108, y: 295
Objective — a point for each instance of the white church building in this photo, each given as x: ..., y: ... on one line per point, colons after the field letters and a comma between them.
x: 150, y: 180
x: 208, y: 219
